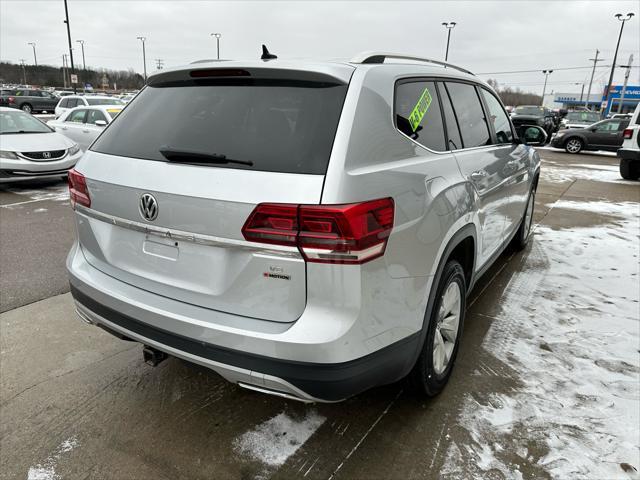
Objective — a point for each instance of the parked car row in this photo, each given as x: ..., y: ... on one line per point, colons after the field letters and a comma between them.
x: 84, y: 124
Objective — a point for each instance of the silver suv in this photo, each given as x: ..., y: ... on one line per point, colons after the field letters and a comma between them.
x: 309, y: 230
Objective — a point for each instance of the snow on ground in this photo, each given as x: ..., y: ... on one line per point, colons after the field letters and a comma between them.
x: 274, y: 441
x: 568, y: 324
x: 47, y: 470
x: 56, y: 193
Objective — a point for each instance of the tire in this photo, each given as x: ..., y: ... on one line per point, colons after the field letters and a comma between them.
x: 629, y: 170
x: 573, y: 145
x: 524, y: 230
x: 26, y: 108
x: 432, y: 370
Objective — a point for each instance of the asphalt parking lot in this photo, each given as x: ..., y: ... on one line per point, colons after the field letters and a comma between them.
x: 546, y: 384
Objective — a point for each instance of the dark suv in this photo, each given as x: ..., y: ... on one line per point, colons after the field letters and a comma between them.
x: 534, y: 115
x: 604, y: 135
x: 32, y: 100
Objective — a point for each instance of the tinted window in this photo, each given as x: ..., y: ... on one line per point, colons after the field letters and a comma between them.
x: 418, y: 114
x: 63, y: 103
x: 453, y: 132
x: 468, y: 108
x: 95, y: 115
x: 72, y: 102
x: 498, y: 117
x: 279, y: 125
x: 77, y: 116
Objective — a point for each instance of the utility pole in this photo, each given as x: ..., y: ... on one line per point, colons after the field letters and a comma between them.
x: 64, y: 69
x: 449, y: 26
x: 593, y: 70
x: 581, y: 91
x: 626, y: 79
x: 159, y: 63
x: 24, y: 72
x: 73, y: 70
x: 144, y: 57
x: 84, y: 67
x: 615, y: 56
x: 546, y: 76
x: 35, y: 59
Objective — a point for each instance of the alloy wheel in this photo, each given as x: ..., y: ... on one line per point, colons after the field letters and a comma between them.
x: 446, y: 332
x: 574, y: 145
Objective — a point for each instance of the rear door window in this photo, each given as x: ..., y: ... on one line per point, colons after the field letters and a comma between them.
x: 473, y: 127
x: 77, y: 116
x: 498, y: 117
x: 72, y: 102
x: 417, y: 113
x: 63, y: 103
x: 280, y: 125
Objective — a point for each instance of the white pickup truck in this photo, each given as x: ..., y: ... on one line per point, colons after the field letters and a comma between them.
x: 629, y: 154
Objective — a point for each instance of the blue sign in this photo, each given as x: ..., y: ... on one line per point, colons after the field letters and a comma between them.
x: 632, y: 92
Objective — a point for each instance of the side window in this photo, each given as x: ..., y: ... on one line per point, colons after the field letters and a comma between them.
x: 417, y: 113
x: 72, y: 102
x: 453, y: 131
x: 63, y: 102
x: 76, y: 116
x: 468, y: 108
x: 609, y: 126
x: 94, y: 115
x: 498, y: 118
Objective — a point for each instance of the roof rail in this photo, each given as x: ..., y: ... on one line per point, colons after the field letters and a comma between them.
x: 380, y: 57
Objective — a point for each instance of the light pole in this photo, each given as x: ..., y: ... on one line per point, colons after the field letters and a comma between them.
x: 581, y: 91
x: 84, y: 67
x: 546, y: 76
x: 449, y: 26
x: 615, y: 56
x: 144, y: 57
x: 35, y: 59
x: 73, y: 69
x: 24, y: 72
x: 593, y: 70
x: 217, y: 35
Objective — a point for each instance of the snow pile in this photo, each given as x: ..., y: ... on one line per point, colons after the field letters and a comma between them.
x: 47, y: 470
x: 569, y: 326
x: 275, y: 440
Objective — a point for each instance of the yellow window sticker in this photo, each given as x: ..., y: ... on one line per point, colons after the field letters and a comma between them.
x: 418, y: 112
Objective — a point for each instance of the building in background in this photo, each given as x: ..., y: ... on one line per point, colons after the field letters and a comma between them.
x: 571, y: 101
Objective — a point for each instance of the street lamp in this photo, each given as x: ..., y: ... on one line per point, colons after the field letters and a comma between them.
x: 449, y: 26
x: 546, y: 76
x: 615, y: 56
x: 144, y: 57
x: 84, y: 67
x: 35, y: 60
x: 217, y: 35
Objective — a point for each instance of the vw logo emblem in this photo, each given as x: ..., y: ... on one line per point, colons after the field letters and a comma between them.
x: 148, y: 207
x: 46, y: 154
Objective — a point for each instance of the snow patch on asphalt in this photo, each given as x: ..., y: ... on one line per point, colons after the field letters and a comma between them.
x: 47, y: 470
x: 56, y: 193
x: 274, y: 441
x: 568, y: 324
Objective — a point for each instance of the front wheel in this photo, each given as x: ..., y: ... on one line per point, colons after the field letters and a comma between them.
x: 573, y: 145
x: 435, y: 363
x: 629, y: 170
x: 26, y: 108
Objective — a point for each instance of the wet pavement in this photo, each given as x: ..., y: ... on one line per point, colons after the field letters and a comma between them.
x: 546, y: 384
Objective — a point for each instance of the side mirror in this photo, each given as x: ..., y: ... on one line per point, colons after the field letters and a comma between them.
x: 532, y: 135
x: 100, y: 123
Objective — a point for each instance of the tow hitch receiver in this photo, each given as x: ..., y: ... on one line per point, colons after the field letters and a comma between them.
x: 152, y: 356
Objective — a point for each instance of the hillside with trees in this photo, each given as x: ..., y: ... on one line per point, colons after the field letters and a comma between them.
x: 515, y: 97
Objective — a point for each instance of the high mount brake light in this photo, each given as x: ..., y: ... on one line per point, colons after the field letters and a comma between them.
x: 78, y: 191
x: 354, y: 233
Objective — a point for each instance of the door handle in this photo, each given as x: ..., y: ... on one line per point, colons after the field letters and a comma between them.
x: 478, y: 175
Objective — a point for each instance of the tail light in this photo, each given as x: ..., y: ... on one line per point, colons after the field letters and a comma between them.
x: 78, y: 191
x: 11, y: 100
x: 628, y: 133
x: 350, y: 234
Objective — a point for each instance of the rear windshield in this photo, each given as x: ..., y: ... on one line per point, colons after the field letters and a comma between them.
x: 278, y: 125
x: 530, y: 111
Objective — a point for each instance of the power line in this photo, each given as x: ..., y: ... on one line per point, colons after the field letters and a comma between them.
x: 539, y: 70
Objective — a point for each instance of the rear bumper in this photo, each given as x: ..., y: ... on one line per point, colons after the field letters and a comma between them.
x: 628, y: 154
x: 276, y: 373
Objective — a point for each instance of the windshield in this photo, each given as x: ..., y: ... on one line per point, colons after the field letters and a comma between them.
x: 104, y: 101
x: 583, y: 117
x: 18, y: 122
x: 529, y: 111
x: 277, y: 125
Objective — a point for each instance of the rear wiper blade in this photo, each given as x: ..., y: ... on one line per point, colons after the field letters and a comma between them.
x: 181, y: 155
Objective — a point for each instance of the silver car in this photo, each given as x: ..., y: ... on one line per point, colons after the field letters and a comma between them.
x: 308, y: 230
x: 30, y: 150
x: 84, y: 124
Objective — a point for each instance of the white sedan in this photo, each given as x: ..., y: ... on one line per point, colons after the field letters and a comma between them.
x: 72, y: 101
x: 84, y: 124
x: 29, y: 149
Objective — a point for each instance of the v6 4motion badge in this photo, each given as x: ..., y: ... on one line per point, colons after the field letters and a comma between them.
x: 276, y: 272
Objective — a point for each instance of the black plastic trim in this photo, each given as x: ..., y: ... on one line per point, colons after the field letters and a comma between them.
x: 331, y: 382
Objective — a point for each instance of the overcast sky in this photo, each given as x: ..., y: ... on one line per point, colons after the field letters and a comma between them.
x: 491, y: 36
